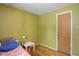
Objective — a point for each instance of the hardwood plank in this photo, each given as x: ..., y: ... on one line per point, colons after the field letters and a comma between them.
x: 44, y: 51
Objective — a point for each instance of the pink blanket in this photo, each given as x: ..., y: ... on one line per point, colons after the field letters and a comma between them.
x: 19, y: 51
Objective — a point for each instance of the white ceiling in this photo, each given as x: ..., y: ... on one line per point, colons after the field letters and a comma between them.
x: 38, y: 8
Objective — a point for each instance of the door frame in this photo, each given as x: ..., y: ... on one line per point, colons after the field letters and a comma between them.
x: 57, y: 30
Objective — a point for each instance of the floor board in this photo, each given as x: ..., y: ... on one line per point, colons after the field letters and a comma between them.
x: 44, y: 51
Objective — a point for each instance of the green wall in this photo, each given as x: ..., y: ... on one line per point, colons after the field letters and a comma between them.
x: 47, y: 30
x: 47, y: 27
x: 15, y: 22
x: 40, y: 29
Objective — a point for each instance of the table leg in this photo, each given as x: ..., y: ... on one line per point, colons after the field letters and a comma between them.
x: 34, y: 47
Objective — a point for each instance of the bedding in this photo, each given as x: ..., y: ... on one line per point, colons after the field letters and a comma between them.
x: 12, y: 48
x: 19, y: 51
x: 8, y: 45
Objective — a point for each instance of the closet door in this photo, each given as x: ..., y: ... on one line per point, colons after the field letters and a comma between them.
x: 64, y: 33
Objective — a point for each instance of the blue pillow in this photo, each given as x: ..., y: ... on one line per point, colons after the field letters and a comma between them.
x: 8, y: 45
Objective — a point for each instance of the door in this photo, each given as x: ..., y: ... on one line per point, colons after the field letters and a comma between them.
x: 64, y: 33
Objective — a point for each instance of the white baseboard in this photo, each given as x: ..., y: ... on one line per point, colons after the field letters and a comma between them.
x: 73, y: 55
x: 47, y: 46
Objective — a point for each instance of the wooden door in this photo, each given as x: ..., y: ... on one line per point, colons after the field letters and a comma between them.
x: 64, y: 32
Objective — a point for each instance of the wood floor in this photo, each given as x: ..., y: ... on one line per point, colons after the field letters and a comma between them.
x: 44, y: 51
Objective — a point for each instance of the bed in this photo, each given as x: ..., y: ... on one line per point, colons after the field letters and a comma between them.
x: 12, y: 48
